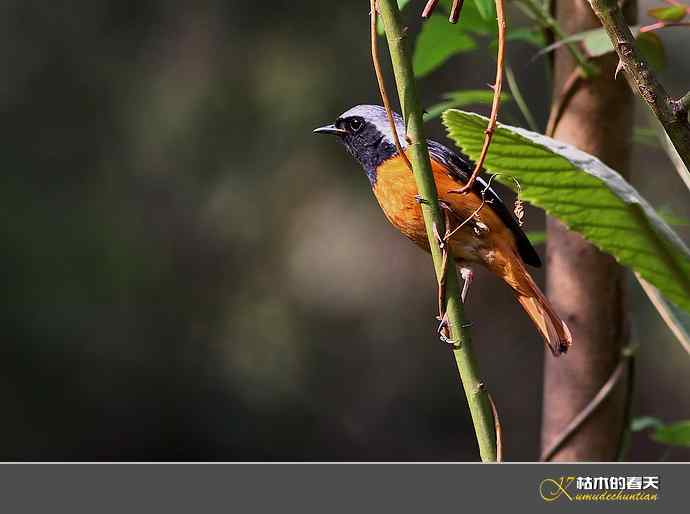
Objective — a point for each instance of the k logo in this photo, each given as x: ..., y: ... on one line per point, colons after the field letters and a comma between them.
x: 551, y: 489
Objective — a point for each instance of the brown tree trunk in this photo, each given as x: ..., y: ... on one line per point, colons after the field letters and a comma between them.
x: 585, y: 285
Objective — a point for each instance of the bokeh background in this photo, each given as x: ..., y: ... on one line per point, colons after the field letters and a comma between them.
x: 190, y: 274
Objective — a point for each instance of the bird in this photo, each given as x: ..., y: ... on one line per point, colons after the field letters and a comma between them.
x: 490, y: 235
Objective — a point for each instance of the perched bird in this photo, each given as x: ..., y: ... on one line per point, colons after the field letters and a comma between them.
x: 491, y: 235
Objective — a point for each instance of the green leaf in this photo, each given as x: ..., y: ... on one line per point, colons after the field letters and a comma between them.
x: 645, y: 422
x: 675, y: 434
x: 670, y: 13
x: 463, y: 98
x: 437, y: 42
x: 596, y: 42
x: 379, y: 22
x: 487, y: 9
x: 652, y: 49
x: 536, y: 237
x: 586, y: 195
x: 532, y: 35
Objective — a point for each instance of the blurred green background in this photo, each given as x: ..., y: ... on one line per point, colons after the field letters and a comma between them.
x: 191, y: 275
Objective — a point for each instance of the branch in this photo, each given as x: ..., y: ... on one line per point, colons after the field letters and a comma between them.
x: 663, y: 25
x: 670, y: 112
x: 562, y: 100
x: 572, y: 427
x: 382, y: 84
x: 455, y: 11
x: 489, y: 132
x: 477, y: 397
x: 429, y: 8
x: 499, y: 431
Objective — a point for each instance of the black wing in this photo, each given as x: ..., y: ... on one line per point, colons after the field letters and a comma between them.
x: 461, y: 167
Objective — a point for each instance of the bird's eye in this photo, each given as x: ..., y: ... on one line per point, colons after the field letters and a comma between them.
x: 355, y: 124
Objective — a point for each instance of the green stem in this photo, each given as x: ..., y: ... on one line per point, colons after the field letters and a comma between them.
x: 520, y: 100
x: 477, y: 397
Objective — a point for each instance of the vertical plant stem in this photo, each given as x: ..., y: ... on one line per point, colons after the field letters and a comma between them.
x: 477, y: 397
x: 489, y: 132
x: 520, y: 100
x: 586, y: 286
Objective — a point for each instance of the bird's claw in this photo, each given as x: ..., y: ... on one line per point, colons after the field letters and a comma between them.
x: 443, y: 205
x: 443, y: 333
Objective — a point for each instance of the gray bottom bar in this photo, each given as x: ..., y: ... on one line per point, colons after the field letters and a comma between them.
x: 351, y: 488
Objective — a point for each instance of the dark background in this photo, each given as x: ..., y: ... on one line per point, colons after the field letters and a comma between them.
x: 191, y: 275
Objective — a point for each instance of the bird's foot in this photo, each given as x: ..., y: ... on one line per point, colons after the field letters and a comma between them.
x: 445, y: 206
x: 444, y: 333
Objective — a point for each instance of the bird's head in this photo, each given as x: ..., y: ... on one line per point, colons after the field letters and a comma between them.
x: 366, y: 133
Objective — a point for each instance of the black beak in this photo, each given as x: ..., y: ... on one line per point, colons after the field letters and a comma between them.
x: 330, y: 129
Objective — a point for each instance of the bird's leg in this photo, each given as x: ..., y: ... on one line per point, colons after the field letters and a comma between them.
x: 467, y: 276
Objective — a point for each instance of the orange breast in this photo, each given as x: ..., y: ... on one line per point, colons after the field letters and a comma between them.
x: 395, y: 190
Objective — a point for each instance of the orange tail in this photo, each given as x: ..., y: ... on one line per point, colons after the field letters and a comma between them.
x: 551, y: 327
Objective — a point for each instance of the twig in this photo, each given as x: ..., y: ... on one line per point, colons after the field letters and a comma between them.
x: 561, y: 102
x: 476, y: 211
x: 676, y: 2
x: 664, y: 310
x: 382, y: 85
x: 520, y: 100
x: 589, y: 409
x: 498, y: 429
x: 429, y: 8
x: 624, y: 439
x: 641, y: 78
x: 663, y: 25
x: 455, y: 11
x: 491, y: 128
x: 480, y: 408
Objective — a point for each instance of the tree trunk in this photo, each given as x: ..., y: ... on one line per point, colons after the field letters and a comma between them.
x: 585, y: 285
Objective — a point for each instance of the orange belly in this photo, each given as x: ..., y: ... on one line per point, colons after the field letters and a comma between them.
x: 395, y: 189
